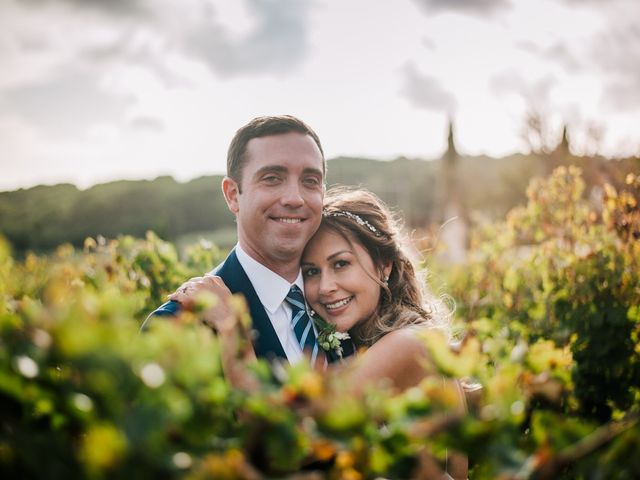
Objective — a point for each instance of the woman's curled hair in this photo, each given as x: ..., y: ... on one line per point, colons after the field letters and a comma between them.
x: 360, y: 215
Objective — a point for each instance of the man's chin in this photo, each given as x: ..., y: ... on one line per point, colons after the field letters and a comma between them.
x: 288, y: 249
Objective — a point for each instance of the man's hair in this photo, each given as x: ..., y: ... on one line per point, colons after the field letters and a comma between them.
x: 264, y: 127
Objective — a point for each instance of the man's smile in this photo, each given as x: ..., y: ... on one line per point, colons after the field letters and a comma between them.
x: 290, y: 220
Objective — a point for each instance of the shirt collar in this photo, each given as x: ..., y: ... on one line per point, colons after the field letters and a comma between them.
x: 270, y: 287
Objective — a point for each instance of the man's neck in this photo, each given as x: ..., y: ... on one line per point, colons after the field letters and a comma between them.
x: 287, y: 269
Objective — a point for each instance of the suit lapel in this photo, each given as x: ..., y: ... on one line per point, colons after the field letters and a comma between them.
x: 266, y: 344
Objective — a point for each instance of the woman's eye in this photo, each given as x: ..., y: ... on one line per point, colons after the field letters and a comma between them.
x: 341, y: 263
x: 310, y: 272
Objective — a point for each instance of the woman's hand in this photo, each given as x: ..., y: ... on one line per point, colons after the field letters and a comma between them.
x: 220, y: 316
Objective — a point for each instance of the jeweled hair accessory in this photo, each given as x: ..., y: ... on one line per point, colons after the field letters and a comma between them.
x: 357, y: 218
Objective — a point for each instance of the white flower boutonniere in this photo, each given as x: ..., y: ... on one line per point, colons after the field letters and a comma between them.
x: 328, y: 338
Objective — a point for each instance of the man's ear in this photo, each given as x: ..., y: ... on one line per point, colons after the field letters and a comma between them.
x: 231, y: 190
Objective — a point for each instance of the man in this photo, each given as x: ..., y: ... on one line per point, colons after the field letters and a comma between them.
x: 275, y: 187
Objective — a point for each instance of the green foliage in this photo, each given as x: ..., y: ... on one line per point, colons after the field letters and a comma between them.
x: 566, y: 268
x: 550, y: 296
x: 81, y: 390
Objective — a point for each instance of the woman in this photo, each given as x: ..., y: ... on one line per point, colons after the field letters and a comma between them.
x: 357, y: 276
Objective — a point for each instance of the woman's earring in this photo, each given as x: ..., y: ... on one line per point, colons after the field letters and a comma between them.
x: 385, y: 280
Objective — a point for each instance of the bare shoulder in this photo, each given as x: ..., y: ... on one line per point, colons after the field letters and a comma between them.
x: 399, y: 357
x: 406, y: 341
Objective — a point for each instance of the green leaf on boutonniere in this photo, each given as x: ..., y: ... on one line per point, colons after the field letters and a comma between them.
x: 328, y: 338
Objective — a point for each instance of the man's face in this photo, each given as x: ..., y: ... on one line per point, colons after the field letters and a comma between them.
x: 280, y: 206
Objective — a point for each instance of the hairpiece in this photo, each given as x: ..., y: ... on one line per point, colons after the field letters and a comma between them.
x: 357, y: 218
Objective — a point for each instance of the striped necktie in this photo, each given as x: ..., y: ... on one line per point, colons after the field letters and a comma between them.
x: 301, y: 323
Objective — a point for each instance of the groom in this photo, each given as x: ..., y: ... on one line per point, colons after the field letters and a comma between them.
x: 275, y: 187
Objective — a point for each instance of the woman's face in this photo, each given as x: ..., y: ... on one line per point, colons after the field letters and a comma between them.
x: 339, y: 279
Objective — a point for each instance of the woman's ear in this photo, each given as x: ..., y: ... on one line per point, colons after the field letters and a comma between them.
x: 386, y: 272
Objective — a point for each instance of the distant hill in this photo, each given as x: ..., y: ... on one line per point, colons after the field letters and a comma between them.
x: 42, y: 217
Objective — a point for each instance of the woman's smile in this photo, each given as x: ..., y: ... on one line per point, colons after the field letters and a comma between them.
x: 338, y: 307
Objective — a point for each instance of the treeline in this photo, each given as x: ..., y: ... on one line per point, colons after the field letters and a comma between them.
x: 42, y: 217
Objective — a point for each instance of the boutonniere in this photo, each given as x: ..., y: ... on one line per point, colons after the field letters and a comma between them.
x: 328, y: 338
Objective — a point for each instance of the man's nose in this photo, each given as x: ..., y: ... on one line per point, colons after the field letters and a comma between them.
x: 292, y: 196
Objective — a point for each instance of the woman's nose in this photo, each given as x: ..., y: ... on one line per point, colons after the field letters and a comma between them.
x: 327, y: 284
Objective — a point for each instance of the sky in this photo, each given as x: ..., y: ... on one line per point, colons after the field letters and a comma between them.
x: 99, y: 90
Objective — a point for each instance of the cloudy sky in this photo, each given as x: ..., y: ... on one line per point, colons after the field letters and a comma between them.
x: 96, y: 90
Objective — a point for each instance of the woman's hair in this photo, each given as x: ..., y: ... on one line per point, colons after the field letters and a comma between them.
x: 359, y: 215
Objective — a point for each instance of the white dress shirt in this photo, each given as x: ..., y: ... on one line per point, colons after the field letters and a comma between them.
x: 272, y: 290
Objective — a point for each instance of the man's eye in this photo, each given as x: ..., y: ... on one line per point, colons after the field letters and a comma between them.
x: 270, y: 179
x: 311, y: 181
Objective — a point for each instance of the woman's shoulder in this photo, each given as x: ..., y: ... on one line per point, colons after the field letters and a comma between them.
x: 400, y: 356
x: 406, y: 340
x: 408, y: 333
x: 409, y: 343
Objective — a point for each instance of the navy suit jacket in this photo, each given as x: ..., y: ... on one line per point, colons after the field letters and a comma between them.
x: 265, y: 341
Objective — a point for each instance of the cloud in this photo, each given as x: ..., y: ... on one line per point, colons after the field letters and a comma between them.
x: 533, y: 92
x: 613, y: 54
x: 429, y: 44
x: 66, y: 105
x: 67, y: 74
x: 111, y: 7
x: 617, y: 54
x: 278, y: 42
x: 478, y: 7
x: 147, y: 124
x: 146, y: 32
x: 72, y: 67
x: 559, y: 52
x: 509, y: 81
x: 425, y: 92
x: 594, y: 3
x: 126, y: 51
